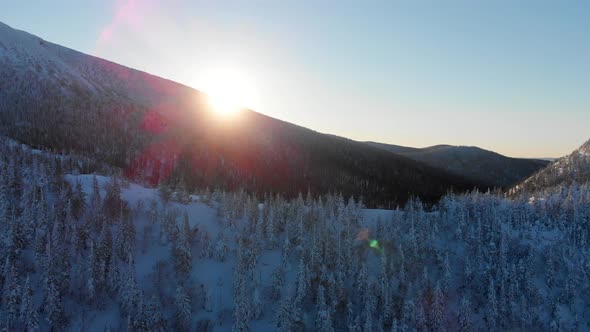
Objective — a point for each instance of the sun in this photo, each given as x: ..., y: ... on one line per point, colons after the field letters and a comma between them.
x: 228, y: 89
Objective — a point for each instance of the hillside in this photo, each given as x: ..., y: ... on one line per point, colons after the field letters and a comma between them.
x: 573, y: 168
x: 158, y: 131
x: 478, y: 165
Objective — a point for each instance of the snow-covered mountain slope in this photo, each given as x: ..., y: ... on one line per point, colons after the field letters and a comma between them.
x: 574, y: 167
x: 477, y: 164
x: 159, y: 131
x: 27, y: 57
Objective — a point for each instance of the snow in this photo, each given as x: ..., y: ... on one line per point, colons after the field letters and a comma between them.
x: 26, y: 51
x: 564, y: 171
x: 482, y: 229
x: 24, y: 56
x: 207, y: 272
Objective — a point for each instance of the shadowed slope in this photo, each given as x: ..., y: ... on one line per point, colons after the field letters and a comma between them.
x: 479, y: 165
x: 160, y: 131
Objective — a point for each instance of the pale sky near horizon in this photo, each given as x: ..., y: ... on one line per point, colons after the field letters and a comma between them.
x: 508, y: 76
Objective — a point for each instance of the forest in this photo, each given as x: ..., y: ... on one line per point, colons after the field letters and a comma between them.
x: 83, y: 251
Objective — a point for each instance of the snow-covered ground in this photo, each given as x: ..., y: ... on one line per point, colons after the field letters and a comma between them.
x: 215, y: 276
x: 95, y: 253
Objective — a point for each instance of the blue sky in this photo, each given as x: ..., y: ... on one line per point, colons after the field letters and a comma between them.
x: 509, y: 76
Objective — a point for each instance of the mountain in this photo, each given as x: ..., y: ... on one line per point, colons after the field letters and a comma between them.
x: 161, y: 132
x: 479, y: 165
x: 564, y: 171
x: 393, y: 148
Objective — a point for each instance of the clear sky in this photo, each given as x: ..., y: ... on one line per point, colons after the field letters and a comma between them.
x: 509, y: 76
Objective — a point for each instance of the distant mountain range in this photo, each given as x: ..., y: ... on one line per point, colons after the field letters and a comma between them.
x: 564, y: 171
x: 478, y: 165
x: 158, y: 131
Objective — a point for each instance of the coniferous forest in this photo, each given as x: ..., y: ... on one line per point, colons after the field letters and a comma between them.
x: 88, y: 252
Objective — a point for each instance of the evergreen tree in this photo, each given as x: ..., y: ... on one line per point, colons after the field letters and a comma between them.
x: 323, y: 320
x: 154, y: 317
x: 12, y: 297
x: 130, y: 290
x: 54, y: 306
x: 288, y: 315
x: 182, y: 251
x: 183, y: 309
x: 436, y: 310
x: 301, y: 282
x: 394, y: 327
x: 90, y: 273
x: 464, y: 316
x: 28, y: 312
x: 95, y: 200
x: 446, y: 280
x: 221, y: 247
x: 256, y: 304
x: 492, y: 311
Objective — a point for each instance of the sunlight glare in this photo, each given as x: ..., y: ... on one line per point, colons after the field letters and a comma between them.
x: 228, y: 90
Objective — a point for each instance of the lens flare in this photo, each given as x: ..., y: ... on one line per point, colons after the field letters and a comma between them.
x: 363, y: 235
x: 374, y: 244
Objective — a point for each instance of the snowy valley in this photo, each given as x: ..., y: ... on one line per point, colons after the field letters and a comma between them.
x: 97, y: 253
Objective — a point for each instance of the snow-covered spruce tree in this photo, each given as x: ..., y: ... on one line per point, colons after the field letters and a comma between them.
x: 113, y: 204
x: 300, y: 283
x: 256, y: 304
x: 165, y: 192
x: 28, y: 311
x: 271, y: 228
x: 182, y: 252
x: 183, y: 309
x: 446, y: 274
x: 220, y: 251
x: 129, y: 290
x: 492, y: 306
x: 91, y: 271
x: 288, y: 315
x: 125, y: 240
x: 278, y: 280
x: 206, y: 246
x: 12, y: 297
x: 104, y: 265
x: 323, y: 321
x: 153, y: 313
x: 436, y: 309
x: 369, y: 308
x: 241, y: 319
x: 285, y: 252
x: 95, y: 199
x: 54, y: 306
x: 408, y: 314
x: 464, y: 316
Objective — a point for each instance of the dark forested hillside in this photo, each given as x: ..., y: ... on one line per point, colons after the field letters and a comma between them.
x: 476, y: 164
x: 160, y: 131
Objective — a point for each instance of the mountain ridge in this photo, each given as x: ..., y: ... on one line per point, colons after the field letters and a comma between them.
x: 574, y: 167
x: 162, y: 132
x: 489, y: 167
